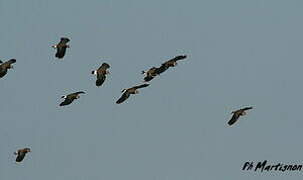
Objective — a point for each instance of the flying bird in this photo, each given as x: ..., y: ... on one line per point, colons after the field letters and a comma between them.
x: 70, y: 98
x: 21, y: 154
x: 101, y: 73
x: 129, y: 91
x: 237, y: 114
x: 61, y: 47
x: 170, y: 63
x: 150, y: 74
x: 4, y: 66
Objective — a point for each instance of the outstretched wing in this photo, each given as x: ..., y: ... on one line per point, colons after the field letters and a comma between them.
x: 104, y: 66
x: 123, y: 98
x: 67, y: 101
x: 8, y: 63
x: 100, y: 79
x: 177, y: 58
x: 64, y: 40
x: 161, y: 69
x: 234, y: 118
x: 60, y: 51
x: 141, y: 86
x: 11, y: 61
x: 148, y: 78
x: 20, y: 156
x: 247, y: 108
x: 80, y: 92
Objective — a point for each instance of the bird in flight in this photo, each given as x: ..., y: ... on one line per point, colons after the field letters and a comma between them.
x: 170, y: 63
x: 101, y: 73
x: 21, y: 154
x: 61, y: 47
x: 68, y: 99
x: 4, y: 66
x: 129, y: 91
x: 237, y: 114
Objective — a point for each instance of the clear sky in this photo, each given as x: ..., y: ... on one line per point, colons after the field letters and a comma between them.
x: 240, y: 52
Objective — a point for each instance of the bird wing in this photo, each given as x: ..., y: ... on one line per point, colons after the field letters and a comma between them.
x: 8, y: 63
x: 161, y: 69
x: 124, y: 96
x: 80, y: 92
x: 100, y: 79
x: 11, y: 61
x: 104, y: 66
x: 60, y: 51
x: 67, y: 101
x: 20, y: 156
x: 64, y: 40
x: 148, y: 78
x: 247, y: 108
x: 177, y: 58
x: 141, y: 86
x: 234, y: 118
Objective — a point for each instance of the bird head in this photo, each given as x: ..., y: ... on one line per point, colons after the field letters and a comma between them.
x: 63, y: 97
x: 94, y: 72
x: 54, y: 46
x: 123, y: 90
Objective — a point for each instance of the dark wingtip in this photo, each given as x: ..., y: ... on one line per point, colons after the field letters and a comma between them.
x: 119, y: 101
x: 106, y: 64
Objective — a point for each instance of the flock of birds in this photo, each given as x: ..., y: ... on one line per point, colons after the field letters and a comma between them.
x: 101, y: 73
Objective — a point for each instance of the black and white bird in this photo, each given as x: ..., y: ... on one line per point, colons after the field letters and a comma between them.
x: 129, y: 91
x: 170, y: 63
x: 4, y: 66
x: 237, y: 114
x: 21, y: 154
x: 68, y: 99
x: 101, y: 73
x: 61, y: 47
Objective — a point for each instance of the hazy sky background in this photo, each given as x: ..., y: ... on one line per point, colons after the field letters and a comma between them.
x: 240, y: 52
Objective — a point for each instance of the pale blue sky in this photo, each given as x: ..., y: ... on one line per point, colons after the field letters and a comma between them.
x: 240, y: 52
